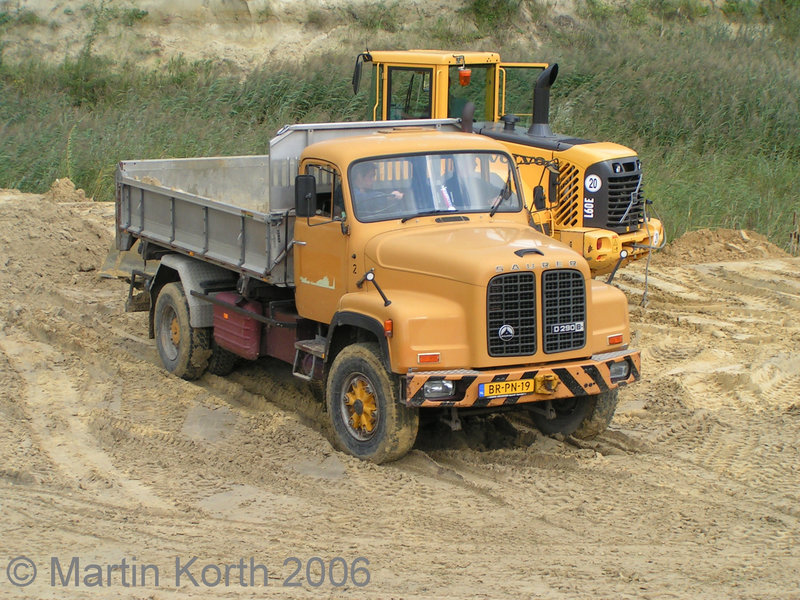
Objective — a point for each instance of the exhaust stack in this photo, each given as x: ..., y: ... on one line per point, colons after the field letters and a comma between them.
x: 541, y: 103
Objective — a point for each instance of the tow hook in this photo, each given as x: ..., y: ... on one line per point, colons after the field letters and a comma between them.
x: 546, y: 383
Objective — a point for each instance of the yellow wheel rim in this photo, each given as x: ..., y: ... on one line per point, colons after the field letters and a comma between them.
x: 175, y: 331
x: 361, y: 408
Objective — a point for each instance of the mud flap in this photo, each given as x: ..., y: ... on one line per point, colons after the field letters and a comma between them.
x: 120, y: 264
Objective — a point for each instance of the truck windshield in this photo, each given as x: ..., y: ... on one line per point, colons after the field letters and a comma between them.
x: 402, y: 187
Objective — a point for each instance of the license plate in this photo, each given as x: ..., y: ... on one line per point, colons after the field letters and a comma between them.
x: 506, y: 388
x: 567, y: 327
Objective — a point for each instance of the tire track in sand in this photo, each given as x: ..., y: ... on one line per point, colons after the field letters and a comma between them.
x: 57, y: 409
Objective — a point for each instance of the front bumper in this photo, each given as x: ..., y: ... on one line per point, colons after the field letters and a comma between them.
x: 638, y: 242
x: 565, y: 380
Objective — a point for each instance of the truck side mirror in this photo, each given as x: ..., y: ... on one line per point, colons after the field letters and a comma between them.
x: 538, y: 197
x: 360, y: 60
x: 305, y: 195
x: 357, y: 75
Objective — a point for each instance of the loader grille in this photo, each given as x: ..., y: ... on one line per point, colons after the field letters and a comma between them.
x: 566, y: 211
x: 621, y: 188
x: 564, y: 310
x: 511, y: 314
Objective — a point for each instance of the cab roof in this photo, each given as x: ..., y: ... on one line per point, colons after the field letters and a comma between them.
x: 406, y: 140
x: 435, y: 57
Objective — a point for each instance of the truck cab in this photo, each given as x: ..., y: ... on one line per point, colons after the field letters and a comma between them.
x: 420, y: 242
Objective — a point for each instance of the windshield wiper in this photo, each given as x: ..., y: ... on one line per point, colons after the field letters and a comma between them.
x: 504, y: 195
x: 427, y: 213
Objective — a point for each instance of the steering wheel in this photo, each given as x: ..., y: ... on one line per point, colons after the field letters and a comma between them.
x: 387, y: 208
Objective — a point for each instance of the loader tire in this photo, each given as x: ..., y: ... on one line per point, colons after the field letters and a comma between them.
x: 584, y: 417
x: 222, y: 361
x: 367, y: 419
x: 184, y: 350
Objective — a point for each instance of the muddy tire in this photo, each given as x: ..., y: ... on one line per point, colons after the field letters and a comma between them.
x: 184, y: 350
x: 317, y: 389
x: 222, y: 361
x: 366, y: 417
x: 599, y: 418
x: 584, y: 417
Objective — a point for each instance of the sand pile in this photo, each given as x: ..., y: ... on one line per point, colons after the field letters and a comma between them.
x: 63, y: 190
x: 717, y: 245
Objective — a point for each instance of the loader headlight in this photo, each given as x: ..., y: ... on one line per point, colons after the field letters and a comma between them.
x: 619, y: 370
x: 438, y: 388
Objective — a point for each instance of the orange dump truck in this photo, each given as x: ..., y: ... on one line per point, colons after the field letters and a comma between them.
x: 392, y: 265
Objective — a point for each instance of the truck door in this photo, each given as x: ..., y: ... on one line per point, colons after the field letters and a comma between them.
x: 515, y: 84
x: 320, y: 252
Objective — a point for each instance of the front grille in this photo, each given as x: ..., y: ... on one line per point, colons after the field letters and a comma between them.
x: 620, y: 190
x: 511, y: 307
x: 564, y: 310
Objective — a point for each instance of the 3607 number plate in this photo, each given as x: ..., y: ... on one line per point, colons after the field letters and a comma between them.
x: 506, y: 388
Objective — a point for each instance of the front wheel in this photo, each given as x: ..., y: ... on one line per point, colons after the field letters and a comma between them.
x: 367, y: 419
x: 584, y: 417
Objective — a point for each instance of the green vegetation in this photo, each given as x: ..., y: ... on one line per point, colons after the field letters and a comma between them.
x: 714, y: 115
x: 373, y: 16
x: 493, y: 13
x: 502, y: 17
x: 266, y: 13
x: 711, y: 107
x: 131, y: 16
x: 321, y: 18
x: 80, y: 118
x: 21, y: 16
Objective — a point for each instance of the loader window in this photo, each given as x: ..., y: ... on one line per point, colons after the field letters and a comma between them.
x: 516, y: 91
x: 330, y: 202
x: 410, y: 93
x: 479, y: 90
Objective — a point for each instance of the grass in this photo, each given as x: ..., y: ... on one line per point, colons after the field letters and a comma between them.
x: 373, y: 16
x: 80, y: 118
x: 716, y: 129
x: 717, y: 133
x: 21, y: 16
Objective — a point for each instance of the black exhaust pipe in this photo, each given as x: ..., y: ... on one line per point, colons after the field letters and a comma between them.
x: 541, y: 103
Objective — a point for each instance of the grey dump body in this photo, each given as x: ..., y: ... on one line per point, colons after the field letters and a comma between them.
x: 235, y: 211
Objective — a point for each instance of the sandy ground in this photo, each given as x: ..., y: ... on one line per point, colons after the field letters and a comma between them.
x: 693, y: 493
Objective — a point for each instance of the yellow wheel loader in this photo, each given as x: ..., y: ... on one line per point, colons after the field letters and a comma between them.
x: 586, y: 194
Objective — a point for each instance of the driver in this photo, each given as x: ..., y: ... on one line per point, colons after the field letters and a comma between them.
x: 364, y: 176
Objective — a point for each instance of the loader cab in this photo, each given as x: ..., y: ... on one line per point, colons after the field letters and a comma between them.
x: 424, y: 84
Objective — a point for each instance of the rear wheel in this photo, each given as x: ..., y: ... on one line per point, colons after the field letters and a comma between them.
x: 222, y: 361
x: 184, y: 350
x: 367, y: 419
x: 584, y: 417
